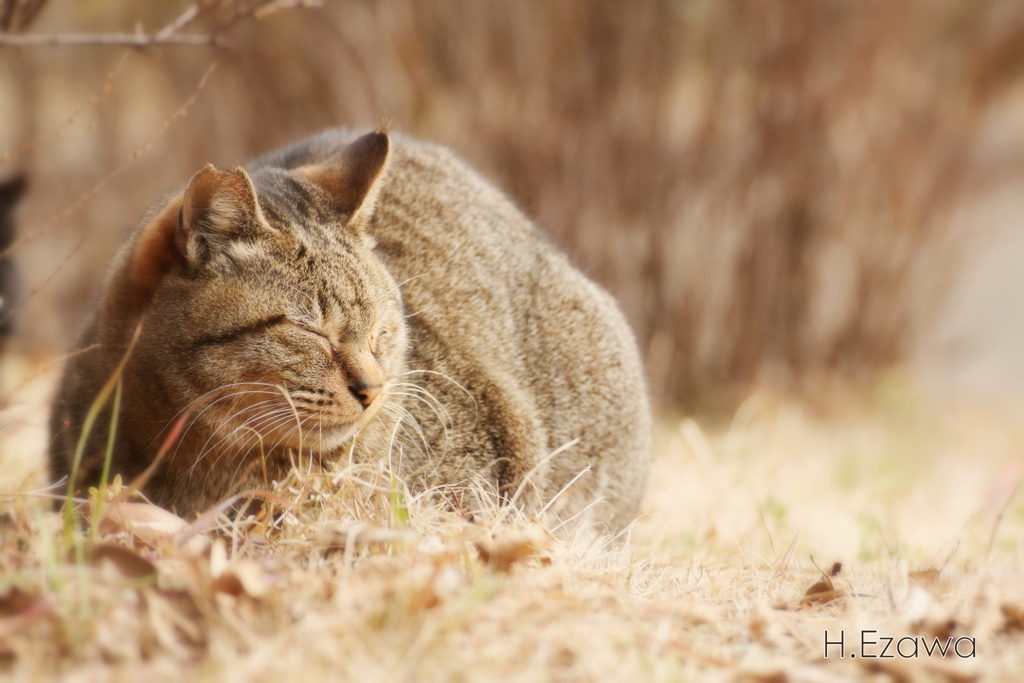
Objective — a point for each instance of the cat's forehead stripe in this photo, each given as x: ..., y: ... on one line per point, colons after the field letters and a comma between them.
x: 344, y: 293
x: 332, y: 284
x: 286, y: 196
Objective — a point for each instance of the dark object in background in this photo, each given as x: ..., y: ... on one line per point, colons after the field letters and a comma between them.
x: 10, y: 192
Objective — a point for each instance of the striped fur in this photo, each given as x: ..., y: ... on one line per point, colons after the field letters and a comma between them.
x: 360, y: 297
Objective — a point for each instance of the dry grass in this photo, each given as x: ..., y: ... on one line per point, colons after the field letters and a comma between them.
x: 766, y: 186
x: 348, y: 580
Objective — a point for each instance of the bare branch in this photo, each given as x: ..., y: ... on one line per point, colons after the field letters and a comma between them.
x: 184, y: 19
x: 92, y: 101
x: 136, y: 40
x: 17, y: 15
x: 227, y: 12
x: 87, y: 196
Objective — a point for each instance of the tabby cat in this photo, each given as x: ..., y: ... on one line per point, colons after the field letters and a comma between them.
x: 358, y: 299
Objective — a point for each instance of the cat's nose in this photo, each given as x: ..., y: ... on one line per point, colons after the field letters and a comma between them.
x: 365, y: 393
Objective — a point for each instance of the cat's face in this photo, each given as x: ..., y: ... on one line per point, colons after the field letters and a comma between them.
x: 280, y: 327
x: 298, y: 349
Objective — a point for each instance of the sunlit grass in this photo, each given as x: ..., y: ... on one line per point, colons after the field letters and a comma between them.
x: 348, y: 575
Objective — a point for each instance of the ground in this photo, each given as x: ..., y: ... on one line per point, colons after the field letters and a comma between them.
x: 719, y: 579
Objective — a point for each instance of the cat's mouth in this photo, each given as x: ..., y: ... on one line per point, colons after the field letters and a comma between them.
x: 270, y: 415
x: 340, y: 432
x: 320, y: 430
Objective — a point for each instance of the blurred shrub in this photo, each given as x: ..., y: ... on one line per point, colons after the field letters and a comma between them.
x: 765, y: 185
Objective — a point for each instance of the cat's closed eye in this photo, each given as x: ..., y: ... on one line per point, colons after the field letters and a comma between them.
x: 380, y: 338
x: 307, y: 328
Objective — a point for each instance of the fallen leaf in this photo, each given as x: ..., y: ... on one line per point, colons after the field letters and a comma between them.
x: 348, y: 538
x: 151, y: 525
x: 928, y: 615
x: 502, y: 551
x: 924, y: 577
x: 172, y: 630
x: 118, y: 562
x: 235, y: 577
x: 1013, y: 617
x: 243, y: 576
x: 28, y: 613
x: 13, y: 600
x: 823, y: 590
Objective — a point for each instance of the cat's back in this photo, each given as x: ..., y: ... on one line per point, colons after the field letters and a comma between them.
x: 514, y: 353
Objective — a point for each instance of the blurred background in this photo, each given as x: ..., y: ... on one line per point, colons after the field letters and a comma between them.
x: 779, y: 193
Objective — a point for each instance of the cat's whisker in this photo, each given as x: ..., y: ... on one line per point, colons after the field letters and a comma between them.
x: 400, y: 414
x: 355, y: 441
x: 263, y: 455
x: 439, y: 412
x: 259, y: 420
x: 298, y: 420
x: 244, y: 455
x: 424, y: 396
x: 269, y: 423
x: 254, y: 421
x: 193, y: 402
x: 444, y: 427
x: 276, y: 418
x: 444, y: 376
x: 197, y: 417
x: 411, y: 386
x: 265, y: 421
x: 228, y: 386
x: 408, y: 279
x: 241, y: 455
x: 222, y: 437
x: 422, y: 310
x: 287, y: 436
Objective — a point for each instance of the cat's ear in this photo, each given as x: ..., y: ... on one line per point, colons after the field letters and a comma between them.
x: 218, y: 207
x: 352, y: 178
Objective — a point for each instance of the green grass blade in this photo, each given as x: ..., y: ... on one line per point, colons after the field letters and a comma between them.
x: 399, y: 509
x: 90, y: 419
x: 104, y: 476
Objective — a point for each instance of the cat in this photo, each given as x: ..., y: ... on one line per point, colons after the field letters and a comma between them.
x: 358, y: 298
x: 11, y: 191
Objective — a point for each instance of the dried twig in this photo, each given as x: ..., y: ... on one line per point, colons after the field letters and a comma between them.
x: 17, y: 15
x: 227, y: 13
x: 92, y: 101
x: 35, y: 290
x: 136, y: 40
x: 87, y: 196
